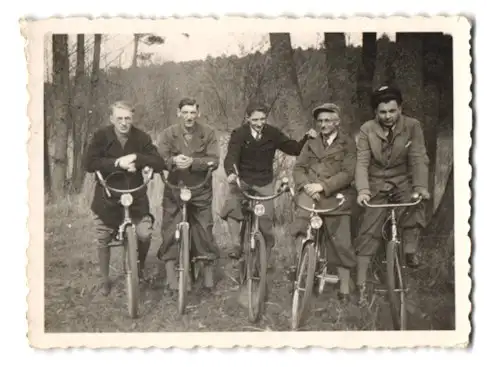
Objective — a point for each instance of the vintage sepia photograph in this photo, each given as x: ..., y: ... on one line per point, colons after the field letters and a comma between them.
x: 252, y: 185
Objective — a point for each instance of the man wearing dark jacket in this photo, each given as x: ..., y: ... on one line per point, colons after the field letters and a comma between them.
x: 392, y: 165
x: 121, y: 147
x: 251, y: 148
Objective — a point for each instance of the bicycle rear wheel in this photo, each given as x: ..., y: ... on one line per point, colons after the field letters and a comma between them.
x: 303, y: 286
x: 132, y: 271
x: 184, y: 268
x: 396, y: 286
x: 256, y: 277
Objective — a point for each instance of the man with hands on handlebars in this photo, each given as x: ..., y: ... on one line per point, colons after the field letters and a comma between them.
x: 121, y: 147
x: 325, y: 168
x: 251, y: 148
x: 392, y: 165
x: 188, y: 147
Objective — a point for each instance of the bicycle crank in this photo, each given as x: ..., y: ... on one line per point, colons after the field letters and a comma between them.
x: 326, y: 278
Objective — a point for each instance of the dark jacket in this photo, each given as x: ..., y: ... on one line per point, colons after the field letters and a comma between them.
x: 254, y: 159
x: 332, y: 167
x: 203, y: 148
x: 103, y: 151
x: 404, y: 162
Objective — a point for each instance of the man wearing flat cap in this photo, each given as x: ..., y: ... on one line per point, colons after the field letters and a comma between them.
x: 392, y: 166
x: 325, y: 168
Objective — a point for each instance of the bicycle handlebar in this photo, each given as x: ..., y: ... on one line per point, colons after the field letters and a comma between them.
x: 147, y: 173
x: 397, y: 205
x: 212, y: 167
x: 339, y: 196
x: 282, y: 189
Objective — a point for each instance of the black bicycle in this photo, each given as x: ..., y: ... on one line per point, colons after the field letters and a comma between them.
x: 395, y: 272
x: 126, y: 235
x: 312, y: 261
x: 182, y: 236
x: 253, y: 263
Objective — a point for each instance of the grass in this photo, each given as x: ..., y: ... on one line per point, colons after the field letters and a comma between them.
x: 73, y: 303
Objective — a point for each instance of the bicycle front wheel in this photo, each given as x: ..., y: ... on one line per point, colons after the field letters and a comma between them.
x: 132, y: 271
x: 396, y: 286
x: 183, y: 268
x: 256, y: 277
x: 303, y: 286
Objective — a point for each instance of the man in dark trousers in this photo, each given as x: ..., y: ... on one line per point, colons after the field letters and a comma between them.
x: 121, y: 147
x: 392, y: 165
x: 188, y: 147
x: 251, y: 148
x: 325, y: 168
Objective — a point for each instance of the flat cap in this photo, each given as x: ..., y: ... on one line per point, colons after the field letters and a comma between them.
x: 326, y: 107
x: 385, y: 94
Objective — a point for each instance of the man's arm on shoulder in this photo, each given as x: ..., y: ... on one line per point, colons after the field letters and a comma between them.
x: 301, y: 166
x: 418, y: 157
x: 233, y: 152
x: 363, y: 162
x: 95, y: 159
x: 212, y: 153
x: 149, y: 156
x: 286, y: 144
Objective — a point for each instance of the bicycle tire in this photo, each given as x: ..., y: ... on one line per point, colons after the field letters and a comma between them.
x: 256, y: 260
x: 183, y: 268
x: 244, y: 244
x: 132, y: 271
x: 395, y: 281
x: 299, y: 309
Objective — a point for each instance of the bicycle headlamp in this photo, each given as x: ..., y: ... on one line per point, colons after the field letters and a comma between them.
x: 316, y: 222
x: 259, y: 210
x: 126, y: 199
x: 185, y: 195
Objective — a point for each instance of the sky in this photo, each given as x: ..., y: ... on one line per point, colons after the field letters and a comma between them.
x: 117, y: 49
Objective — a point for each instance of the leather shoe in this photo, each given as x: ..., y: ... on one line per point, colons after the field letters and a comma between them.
x: 412, y: 260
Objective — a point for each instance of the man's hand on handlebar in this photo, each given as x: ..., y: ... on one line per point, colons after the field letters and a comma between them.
x: 313, y: 189
x: 232, y: 177
x: 420, y: 192
x: 182, y: 161
x: 361, y: 198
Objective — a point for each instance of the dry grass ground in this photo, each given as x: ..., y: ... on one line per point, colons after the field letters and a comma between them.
x: 72, y: 303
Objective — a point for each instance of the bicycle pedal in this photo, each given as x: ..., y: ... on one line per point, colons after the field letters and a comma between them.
x: 329, y: 278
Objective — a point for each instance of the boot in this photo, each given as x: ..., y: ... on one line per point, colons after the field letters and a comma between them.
x: 104, y: 260
x: 208, y: 276
x: 171, y: 276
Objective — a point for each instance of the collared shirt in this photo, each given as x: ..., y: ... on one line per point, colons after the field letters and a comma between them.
x: 255, y: 134
x: 331, y: 138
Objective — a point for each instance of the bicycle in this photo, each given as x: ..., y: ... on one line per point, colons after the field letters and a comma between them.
x: 126, y: 235
x: 395, y: 272
x: 183, y: 238
x: 253, y: 264
x: 312, y: 260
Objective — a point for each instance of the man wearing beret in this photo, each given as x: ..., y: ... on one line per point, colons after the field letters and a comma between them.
x: 325, y: 168
x: 392, y: 165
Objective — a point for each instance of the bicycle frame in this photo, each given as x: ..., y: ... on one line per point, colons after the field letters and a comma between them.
x: 185, y: 195
x: 126, y: 199
x: 314, y: 234
x: 256, y: 208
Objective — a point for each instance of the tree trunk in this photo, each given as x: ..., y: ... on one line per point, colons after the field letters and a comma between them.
x: 61, y: 95
x: 335, y: 48
x: 136, y: 50
x: 288, y: 106
x: 365, y: 78
x: 93, y: 114
x: 79, y: 115
x: 443, y: 220
x: 384, y: 68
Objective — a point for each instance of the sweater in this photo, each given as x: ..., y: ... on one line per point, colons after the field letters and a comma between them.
x: 254, y: 158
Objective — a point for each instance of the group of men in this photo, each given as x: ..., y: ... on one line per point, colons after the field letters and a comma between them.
x: 387, y: 161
